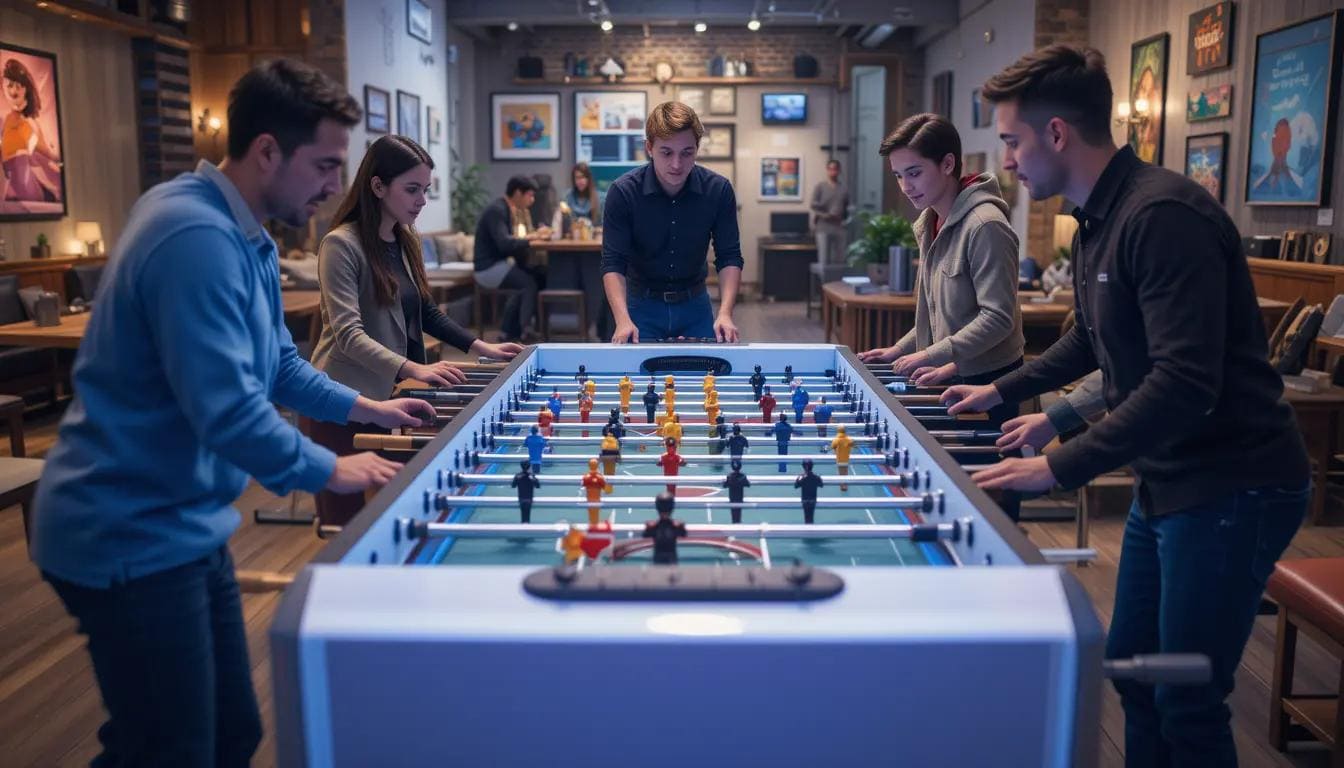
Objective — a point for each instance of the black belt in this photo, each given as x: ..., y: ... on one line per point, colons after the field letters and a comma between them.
x: 670, y: 297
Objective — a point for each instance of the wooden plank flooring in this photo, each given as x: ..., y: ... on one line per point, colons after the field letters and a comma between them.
x: 50, y: 708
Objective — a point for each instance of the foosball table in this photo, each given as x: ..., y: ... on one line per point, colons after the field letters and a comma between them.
x: 616, y: 555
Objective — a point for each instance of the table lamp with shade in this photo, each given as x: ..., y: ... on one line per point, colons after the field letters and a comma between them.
x: 89, y: 233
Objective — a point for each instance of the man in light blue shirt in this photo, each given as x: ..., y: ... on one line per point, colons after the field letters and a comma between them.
x: 175, y: 382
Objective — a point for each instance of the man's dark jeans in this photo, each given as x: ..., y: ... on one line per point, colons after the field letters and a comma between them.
x: 658, y: 319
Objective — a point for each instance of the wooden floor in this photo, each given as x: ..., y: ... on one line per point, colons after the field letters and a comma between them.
x: 50, y: 708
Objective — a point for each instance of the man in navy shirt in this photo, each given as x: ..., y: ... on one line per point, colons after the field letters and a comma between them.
x: 657, y: 225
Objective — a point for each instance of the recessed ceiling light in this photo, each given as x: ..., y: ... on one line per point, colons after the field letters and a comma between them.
x: 754, y: 24
x: 607, y: 25
x: 513, y: 26
x: 700, y: 26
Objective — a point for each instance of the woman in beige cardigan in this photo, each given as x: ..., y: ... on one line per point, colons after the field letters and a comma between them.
x: 376, y: 305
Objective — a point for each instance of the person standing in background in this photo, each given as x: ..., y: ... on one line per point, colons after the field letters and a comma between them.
x: 830, y: 202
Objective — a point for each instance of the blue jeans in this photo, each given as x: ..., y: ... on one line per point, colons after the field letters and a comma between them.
x: 170, y: 655
x: 1191, y: 582
x: 658, y: 319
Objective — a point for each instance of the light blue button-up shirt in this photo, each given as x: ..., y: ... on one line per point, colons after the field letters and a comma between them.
x: 174, y: 382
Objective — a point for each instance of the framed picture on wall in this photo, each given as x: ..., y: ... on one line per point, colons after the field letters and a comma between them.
x: 32, y: 186
x: 723, y: 100
x: 408, y: 116
x: 420, y: 21
x: 724, y: 168
x: 1206, y: 161
x: 719, y: 142
x: 693, y: 97
x: 435, y: 188
x: 781, y: 179
x: 982, y: 110
x: 1212, y: 103
x: 1294, y: 100
x: 942, y: 94
x: 609, y: 132
x: 1209, y: 43
x: 1148, y: 89
x: 377, y: 110
x: 433, y: 125
x: 524, y: 126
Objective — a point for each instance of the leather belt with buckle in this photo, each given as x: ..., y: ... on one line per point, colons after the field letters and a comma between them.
x: 670, y: 297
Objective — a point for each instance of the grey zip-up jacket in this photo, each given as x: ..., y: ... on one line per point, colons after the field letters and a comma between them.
x: 966, y: 307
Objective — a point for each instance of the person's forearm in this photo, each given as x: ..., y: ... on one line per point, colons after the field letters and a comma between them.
x: 729, y: 280
x: 614, y: 285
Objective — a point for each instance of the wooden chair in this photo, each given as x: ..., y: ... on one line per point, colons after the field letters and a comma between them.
x: 1310, y: 594
x: 18, y: 475
x: 481, y: 296
x: 571, y: 324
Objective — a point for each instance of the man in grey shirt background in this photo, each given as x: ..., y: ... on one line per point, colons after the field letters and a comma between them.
x: 830, y: 201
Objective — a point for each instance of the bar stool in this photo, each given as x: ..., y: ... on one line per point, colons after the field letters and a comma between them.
x: 571, y: 324
x: 1310, y: 594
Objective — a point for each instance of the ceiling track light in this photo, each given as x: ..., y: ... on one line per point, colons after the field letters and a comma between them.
x: 700, y: 26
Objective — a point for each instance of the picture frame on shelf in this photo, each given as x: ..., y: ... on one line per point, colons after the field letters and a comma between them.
x: 719, y: 142
x: 377, y: 110
x: 420, y: 21
x: 1206, y: 162
x: 723, y: 100
x: 525, y: 126
x: 1208, y: 44
x: 781, y: 179
x: 408, y: 115
x: 33, y: 184
x: 1212, y: 103
x: 695, y: 97
x: 1148, y: 64
x: 1294, y: 105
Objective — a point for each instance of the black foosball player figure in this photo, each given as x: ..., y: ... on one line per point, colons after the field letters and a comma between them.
x: 665, y: 531
x: 757, y: 381
x: 718, y: 439
x: 582, y: 375
x: 651, y: 401
x: 736, y: 483
x: 788, y: 374
x: 526, y: 483
x: 737, y: 443
x: 808, y: 482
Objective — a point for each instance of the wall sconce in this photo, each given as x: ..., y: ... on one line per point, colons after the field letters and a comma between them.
x: 207, y: 123
x: 89, y: 233
x: 1140, y: 114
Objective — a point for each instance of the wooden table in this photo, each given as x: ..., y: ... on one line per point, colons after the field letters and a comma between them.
x: 576, y: 265
x: 1318, y: 418
x: 70, y: 332
x: 1325, y: 352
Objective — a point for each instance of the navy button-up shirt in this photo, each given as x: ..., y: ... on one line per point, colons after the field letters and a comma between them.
x: 661, y: 243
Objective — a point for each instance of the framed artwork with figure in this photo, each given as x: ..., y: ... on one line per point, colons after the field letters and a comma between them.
x: 1148, y: 87
x: 523, y: 126
x: 32, y: 165
x: 408, y: 116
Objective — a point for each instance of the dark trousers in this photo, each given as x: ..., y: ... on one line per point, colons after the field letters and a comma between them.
x: 809, y: 510
x: 658, y: 319
x: 170, y: 656
x: 1009, y: 501
x: 336, y: 508
x: 736, y: 510
x: 1191, y: 582
x: 525, y: 507
x: 521, y: 306
x: 648, y: 410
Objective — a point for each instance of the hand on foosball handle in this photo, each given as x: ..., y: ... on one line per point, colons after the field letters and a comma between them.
x: 1033, y: 430
x: 725, y: 330
x: 626, y: 333
x: 390, y: 414
x: 931, y: 375
x: 434, y: 374
x: 1031, y: 475
x: 966, y: 397
x: 360, y: 471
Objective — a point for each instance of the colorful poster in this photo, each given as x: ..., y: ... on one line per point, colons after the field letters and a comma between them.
x: 1292, y: 114
x: 523, y: 126
x: 781, y: 178
x: 1212, y: 103
x: 1147, y: 96
x: 32, y: 171
x: 1206, y: 161
x: 1209, y: 44
x: 609, y: 132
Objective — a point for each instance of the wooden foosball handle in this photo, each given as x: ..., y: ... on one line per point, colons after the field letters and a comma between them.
x: 376, y: 442
x: 263, y: 581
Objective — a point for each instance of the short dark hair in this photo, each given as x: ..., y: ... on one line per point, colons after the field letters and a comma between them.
x: 834, y: 162
x: 525, y: 183
x: 1058, y: 81
x: 932, y: 136
x: 286, y: 99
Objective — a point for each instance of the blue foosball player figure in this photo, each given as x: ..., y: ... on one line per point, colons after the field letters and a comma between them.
x: 555, y: 403
x: 822, y: 415
x: 738, y: 443
x: 536, y: 445
x: 800, y: 399
x: 808, y: 483
x: 665, y: 531
x: 783, y: 432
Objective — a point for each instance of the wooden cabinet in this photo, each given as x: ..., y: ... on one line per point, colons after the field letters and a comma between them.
x: 45, y: 273
x: 1287, y: 280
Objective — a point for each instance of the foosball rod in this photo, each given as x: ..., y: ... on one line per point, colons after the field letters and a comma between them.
x: 652, y: 458
x: 841, y: 417
x: 594, y: 440
x: 902, y: 479
x: 623, y: 502
x: 925, y: 532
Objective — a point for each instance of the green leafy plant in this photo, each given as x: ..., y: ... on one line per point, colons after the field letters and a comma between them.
x: 880, y: 232
x: 1062, y: 254
x: 41, y: 240
x: 468, y: 196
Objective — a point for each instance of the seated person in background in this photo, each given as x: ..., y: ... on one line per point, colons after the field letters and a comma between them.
x: 376, y: 306
x: 584, y: 201
x: 503, y: 236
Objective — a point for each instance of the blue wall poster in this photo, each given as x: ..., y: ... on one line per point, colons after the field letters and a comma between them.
x: 1292, y: 114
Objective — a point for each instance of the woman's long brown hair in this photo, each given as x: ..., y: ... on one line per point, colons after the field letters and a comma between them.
x: 388, y: 158
x: 595, y: 209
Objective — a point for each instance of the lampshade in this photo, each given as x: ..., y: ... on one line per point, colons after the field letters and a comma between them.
x: 88, y: 231
x: 1065, y: 227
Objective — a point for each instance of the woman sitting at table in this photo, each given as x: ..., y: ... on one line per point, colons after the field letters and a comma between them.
x: 584, y: 201
x: 376, y: 306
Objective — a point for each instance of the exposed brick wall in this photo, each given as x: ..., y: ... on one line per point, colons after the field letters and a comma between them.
x: 326, y: 51
x: 1057, y: 21
x: 771, y: 55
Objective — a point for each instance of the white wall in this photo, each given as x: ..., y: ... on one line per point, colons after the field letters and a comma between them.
x: 964, y: 51
x: 380, y: 53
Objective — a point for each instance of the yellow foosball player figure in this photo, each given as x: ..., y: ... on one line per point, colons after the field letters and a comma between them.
x: 672, y: 430
x: 668, y: 413
x: 572, y: 545
x: 841, y: 445
x: 708, y: 386
x: 594, y: 485
x: 610, y: 451
x: 590, y: 387
x: 712, y: 405
x: 625, y: 386
x: 670, y: 392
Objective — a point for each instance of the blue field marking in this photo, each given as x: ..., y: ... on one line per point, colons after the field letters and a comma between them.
x: 459, y: 515
x: 932, y: 551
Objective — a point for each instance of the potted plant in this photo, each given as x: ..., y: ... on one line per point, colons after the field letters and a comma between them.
x: 885, y: 238
x: 468, y: 197
x: 43, y: 249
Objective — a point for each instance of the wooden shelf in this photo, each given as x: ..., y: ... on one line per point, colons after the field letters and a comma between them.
x: 824, y: 82
x: 1289, y: 280
x: 1297, y: 267
x: 93, y: 13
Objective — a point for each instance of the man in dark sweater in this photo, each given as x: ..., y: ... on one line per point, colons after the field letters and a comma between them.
x: 1167, y: 311
x: 502, y: 241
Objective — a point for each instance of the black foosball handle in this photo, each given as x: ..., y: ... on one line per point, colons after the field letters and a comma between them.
x: 1162, y: 668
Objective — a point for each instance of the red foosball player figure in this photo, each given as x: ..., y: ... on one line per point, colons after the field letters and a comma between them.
x: 544, y: 419
x: 585, y: 407
x: 767, y: 404
x: 665, y: 530
x: 671, y: 462
x: 594, y: 485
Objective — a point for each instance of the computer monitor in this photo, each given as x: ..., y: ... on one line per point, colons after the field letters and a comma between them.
x: 789, y: 224
x: 783, y: 108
